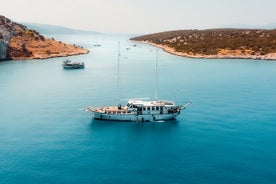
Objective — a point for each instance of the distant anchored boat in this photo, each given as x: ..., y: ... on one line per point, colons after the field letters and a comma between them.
x: 138, y: 109
x: 67, y: 64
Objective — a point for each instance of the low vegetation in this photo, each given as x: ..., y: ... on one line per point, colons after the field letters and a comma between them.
x: 215, y: 41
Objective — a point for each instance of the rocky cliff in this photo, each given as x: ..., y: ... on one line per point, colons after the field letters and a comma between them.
x: 19, y: 42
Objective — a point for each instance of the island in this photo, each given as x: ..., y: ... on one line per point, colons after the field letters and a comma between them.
x: 17, y: 42
x: 216, y: 43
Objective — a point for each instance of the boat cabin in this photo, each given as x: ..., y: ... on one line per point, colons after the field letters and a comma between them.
x: 152, y: 107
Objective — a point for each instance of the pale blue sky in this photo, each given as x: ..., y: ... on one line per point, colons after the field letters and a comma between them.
x: 141, y: 16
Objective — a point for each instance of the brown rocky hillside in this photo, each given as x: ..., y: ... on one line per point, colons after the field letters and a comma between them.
x: 19, y: 42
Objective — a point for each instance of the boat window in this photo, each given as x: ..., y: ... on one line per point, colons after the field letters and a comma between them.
x: 152, y: 108
x: 144, y: 108
x: 148, y: 108
x: 157, y: 108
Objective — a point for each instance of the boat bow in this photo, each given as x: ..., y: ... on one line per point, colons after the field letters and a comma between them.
x: 184, y: 106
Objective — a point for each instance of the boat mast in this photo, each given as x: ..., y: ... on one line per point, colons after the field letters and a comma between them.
x: 156, y: 76
x: 118, y: 72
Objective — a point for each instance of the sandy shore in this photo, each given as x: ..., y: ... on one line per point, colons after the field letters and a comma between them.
x: 222, y: 55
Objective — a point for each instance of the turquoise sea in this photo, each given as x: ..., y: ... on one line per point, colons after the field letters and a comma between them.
x: 227, y: 135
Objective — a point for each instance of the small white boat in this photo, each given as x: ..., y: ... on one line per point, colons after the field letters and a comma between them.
x: 67, y: 64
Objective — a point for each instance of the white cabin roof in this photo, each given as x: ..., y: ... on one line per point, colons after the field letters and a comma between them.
x: 151, y: 103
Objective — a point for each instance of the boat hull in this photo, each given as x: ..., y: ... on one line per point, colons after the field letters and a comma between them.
x: 73, y: 67
x: 134, y: 117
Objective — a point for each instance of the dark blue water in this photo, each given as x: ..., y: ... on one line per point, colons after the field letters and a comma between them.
x: 227, y: 135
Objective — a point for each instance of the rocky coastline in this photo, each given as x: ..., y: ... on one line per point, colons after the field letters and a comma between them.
x: 216, y: 43
x: 17, y: 42
x: 171, y: 50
